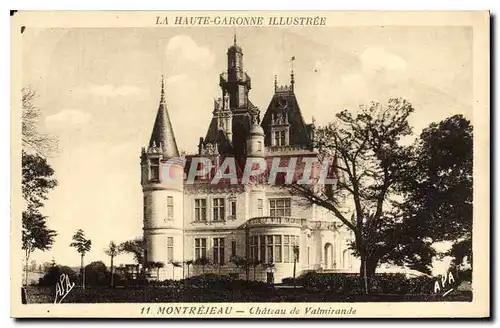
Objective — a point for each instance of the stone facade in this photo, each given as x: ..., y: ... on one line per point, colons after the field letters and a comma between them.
x: 221, y: 222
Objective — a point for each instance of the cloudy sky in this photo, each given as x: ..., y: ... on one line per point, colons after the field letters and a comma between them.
x: 99, y: 91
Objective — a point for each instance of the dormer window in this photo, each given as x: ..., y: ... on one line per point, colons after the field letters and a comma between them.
x: 280, y: 137
x: 154, y: 169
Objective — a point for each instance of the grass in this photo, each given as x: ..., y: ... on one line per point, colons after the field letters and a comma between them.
x: 152, y: 294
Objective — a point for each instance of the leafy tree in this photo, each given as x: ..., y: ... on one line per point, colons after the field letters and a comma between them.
x: 366, y: 145
x: 112, y: 251
x: 35, y: 235
x: 53, y: 274
x: 37, y: 181
x: 157, y: 266
x: 32, y: 139
x: 438, y: 184
x: 134, y: 247
x: 203, y: 262
x: 82, y: 246
x: 96, y: 274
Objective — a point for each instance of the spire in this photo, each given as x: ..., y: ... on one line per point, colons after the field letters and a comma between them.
x: 163, y: 133
x: 275, y: 83
x: 292, y: 75
x: 162, y: 98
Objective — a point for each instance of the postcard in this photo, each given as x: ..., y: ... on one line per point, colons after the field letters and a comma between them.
x: 250, y: 164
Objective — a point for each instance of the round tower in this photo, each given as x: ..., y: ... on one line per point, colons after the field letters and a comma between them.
x: 255, y: 141
x: 162, y: 186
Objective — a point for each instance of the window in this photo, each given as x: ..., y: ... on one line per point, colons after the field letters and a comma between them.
x: 170, y: 208
x: 286, y: 249
x: 253, y: 248
x: 170, y: 249
x: 280, y: 138
x: 154, y: 166
x: 259, y: 146
x: 263, y: 249
x: 233, y: 208
x: 200, y: 209
x: 260, y: 207
x: 200, y: 248
x: 219, y: 251
x: 241, y: 95
x: 279, y: 207
x: 277, y: 248
x: 219, y: 211
x: 233, y: 248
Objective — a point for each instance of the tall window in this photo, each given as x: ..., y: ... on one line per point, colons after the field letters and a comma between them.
x: 219, y: 251
x: 259, y: 145
x: 219, y: 210
x: 170, y: 208
x: 154, y: 166
x: 200, y: 248
x: 277, y: 248
x: 254, y: 255
x: 280, y: 138
x: 270, y: 249
x: 233, y: 248
x: 233, y: 208
x: 260, y: 207
x: 286, y: 249
x: 263, y: 249
x: 200, y: 209
x: 170, y: 249
x: 280, y: 207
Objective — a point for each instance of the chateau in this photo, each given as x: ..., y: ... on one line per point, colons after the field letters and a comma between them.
x: 222, y: 221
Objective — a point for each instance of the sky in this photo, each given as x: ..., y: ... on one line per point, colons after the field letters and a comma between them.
x: 99, y: 89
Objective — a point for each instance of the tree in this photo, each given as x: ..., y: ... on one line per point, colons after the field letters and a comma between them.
x: 112, y: 251
x: 188, y: 264
x: 134, y: 247
x: 82, y: 246
x: 96, y: 274
x: 157, y: 266
x: 368, y: 156
x: 438, y: 184
x: 296, y: 251
x: 40, y: 143
x: 35, y: 235
x: 239, y: 262
x: 203, y: 262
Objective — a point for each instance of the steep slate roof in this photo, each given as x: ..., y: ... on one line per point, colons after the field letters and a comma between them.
x: 299, y: 131
x: 163, y: 133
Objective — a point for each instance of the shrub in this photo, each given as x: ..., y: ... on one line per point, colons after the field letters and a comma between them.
x: 354, y: 284
x: 54, y: 273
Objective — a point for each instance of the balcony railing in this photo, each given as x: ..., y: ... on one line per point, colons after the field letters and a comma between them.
x: 311, y: 224
x: 277, y: 220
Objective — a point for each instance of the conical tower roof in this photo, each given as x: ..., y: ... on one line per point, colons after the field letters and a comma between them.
x: 163, y: 133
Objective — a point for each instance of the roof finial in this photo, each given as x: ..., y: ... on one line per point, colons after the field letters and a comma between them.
x: 275, y: 83
x: 292, y: 75
x: 162, y: 89
x: 234, y: 37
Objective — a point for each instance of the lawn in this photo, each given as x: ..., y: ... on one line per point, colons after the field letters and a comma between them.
x: 158, y: 294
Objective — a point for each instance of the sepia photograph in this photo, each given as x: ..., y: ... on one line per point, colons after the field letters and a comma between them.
x: 251, y: 164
